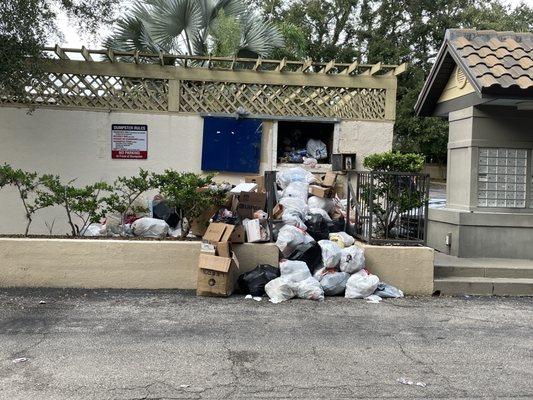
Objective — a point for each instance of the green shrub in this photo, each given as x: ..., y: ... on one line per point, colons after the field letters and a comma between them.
x: 394, y: 162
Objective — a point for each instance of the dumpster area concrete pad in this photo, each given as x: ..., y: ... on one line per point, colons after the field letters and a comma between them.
x: 86, y: 344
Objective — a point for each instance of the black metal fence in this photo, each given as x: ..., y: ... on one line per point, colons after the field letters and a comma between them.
x: 389, y: 207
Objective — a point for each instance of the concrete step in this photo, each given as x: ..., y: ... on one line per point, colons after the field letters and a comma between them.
x: 484, y: 286
x: 448, y: 266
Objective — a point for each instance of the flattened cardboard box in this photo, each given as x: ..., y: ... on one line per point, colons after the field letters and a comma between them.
x: 330, y: 179
x: 217, y: 276
x: 250, y: 203
x: 218, y: 232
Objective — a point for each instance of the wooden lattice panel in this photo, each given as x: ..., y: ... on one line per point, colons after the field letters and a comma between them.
x: 282, y: 100
x: 94, y: 91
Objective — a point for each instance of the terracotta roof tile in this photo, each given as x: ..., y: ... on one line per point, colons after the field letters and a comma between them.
x: 493, y: 58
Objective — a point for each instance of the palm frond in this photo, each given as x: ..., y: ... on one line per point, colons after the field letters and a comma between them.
x: 259, y: 36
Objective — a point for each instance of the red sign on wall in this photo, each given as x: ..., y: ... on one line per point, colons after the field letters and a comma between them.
x: 129, y: 141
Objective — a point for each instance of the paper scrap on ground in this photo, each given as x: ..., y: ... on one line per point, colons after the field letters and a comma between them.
x: 42, y: 302
x: 20, y: 360
x: 373, y: 299
x: 184, y: 386
x: 405, y: 381
x: 256, y: 298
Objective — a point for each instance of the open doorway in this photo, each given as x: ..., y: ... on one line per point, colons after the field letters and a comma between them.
x: 294, y: 141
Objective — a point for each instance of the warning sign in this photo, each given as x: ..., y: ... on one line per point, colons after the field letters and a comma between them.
x: 129, y: 141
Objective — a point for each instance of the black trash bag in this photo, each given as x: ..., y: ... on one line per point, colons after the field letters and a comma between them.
x: 337, y: 225
x: 253, y: 282
x: 161, y: 210
x: 317, y: 227
x: 310, y: 253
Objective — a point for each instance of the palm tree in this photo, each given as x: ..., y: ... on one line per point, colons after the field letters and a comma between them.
x: 195, y: 27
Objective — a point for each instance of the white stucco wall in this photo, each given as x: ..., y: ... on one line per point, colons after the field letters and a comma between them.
x: 77, y: 144
x: 364, y: 138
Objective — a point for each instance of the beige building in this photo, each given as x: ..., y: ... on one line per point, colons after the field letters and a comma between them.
x: 482, y: 82
x: 97, y: 115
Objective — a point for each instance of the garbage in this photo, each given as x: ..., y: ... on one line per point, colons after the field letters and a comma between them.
x: 342, y: 239
x: 310, y: 289
x: 161, y: 210
x: 42, y: 302
x: 94, y: 230
x: 317, y: 149
x: 217, y: 275
x: 294, y: 204
x: 310, y: 162
x: 256, y: 230
x: 290, y: 237
x: 20, y: 360
x: 184, y: 386
x: 298, y: 190
x: 296, y: 156
x: 331, y: 254
x: 250, y: 297
x: 405, y: 381
x: 373, y: 299
x: 361, y: 285
x: 317, y: 227
x: 352, y: 259
x: 317, y: 202
x: 244, y: 187
x: 254, y: 281
x: 260, y: 214
x: 297, y: 174
x: 387, y: 291
x: 296, y: 271
x: 320, y: 211
x: 319, y: 191
x: 150, y: 227
x: 310, y: 253
x: 249, y: 203
x: 294, y: 218
x: 280, y: 289
x: 334, y: 283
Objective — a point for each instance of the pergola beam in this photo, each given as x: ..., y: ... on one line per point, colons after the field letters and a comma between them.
x: 60, y: 52
x: 86, y: 54
x: 282, y: 64
x: 349, y: 69
x: 374, y: 69
x: 328, y: 67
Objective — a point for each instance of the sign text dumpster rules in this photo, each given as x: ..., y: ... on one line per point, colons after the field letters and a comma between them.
x: 129, y: 141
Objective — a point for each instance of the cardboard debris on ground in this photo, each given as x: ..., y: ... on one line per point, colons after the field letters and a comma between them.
x: 218, y: 232
x: 217, y: 276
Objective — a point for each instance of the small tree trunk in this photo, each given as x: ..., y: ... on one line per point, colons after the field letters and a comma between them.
x: 28, y: 217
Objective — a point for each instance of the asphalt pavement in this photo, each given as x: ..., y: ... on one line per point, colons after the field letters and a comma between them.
x: 80, y: 344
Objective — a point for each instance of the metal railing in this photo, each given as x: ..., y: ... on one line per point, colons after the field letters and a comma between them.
x: 390, y: 207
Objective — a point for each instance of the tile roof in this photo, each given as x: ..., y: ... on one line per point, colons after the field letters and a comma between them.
x: 495, y: 59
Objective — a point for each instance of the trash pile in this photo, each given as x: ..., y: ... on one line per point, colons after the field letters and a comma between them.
x: 314, y: 151
x: 317, y: 258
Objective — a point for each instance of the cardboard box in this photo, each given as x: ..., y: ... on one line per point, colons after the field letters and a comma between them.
x: 250, y: 203
x: 329, y: 179
x: 238, y: 234
x: 199, y: 225
x: 218, y: 232
x: 223, y: 249
x: 217, y: 276
x: 244, y: 187
x: 320, y: 191
x: 208, y: 248
x: 259, y: 180
x: 277, y: 212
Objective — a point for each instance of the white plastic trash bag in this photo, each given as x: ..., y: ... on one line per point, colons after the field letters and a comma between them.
x: 317, y: 149
x: 296, y: 271
x: 299, y: 190
x: 361, y: 285
x: 297, y: 174
x: 310, y: 289
x: 94, y: 229
x: 321, y: 212
x: 331, y: 254
x: 310, y: 162
x: 280, y: 289
x: 150, y: 227
x: 334, y: 283
x: 318, y: 202
x: 342, y: 239
x: 295, y: 204
x: 352, y: 259
x: 385, y: 290
x: 290, y: 237
x: 291, y: 217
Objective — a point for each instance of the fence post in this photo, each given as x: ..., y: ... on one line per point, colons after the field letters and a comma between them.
x: 173, y: 95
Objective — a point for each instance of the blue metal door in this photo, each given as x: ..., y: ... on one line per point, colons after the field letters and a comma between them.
x: 231, y: 145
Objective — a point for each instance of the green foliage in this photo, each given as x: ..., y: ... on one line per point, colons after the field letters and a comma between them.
x: 225, y: 27
x: 27, y: 185
x: 87, y: 203
x: 296, y: 42
x: 393, y: 161
x: 25, y: 26
x: 180, y: 190
x: 390, y: 195
x: 126, y: 191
